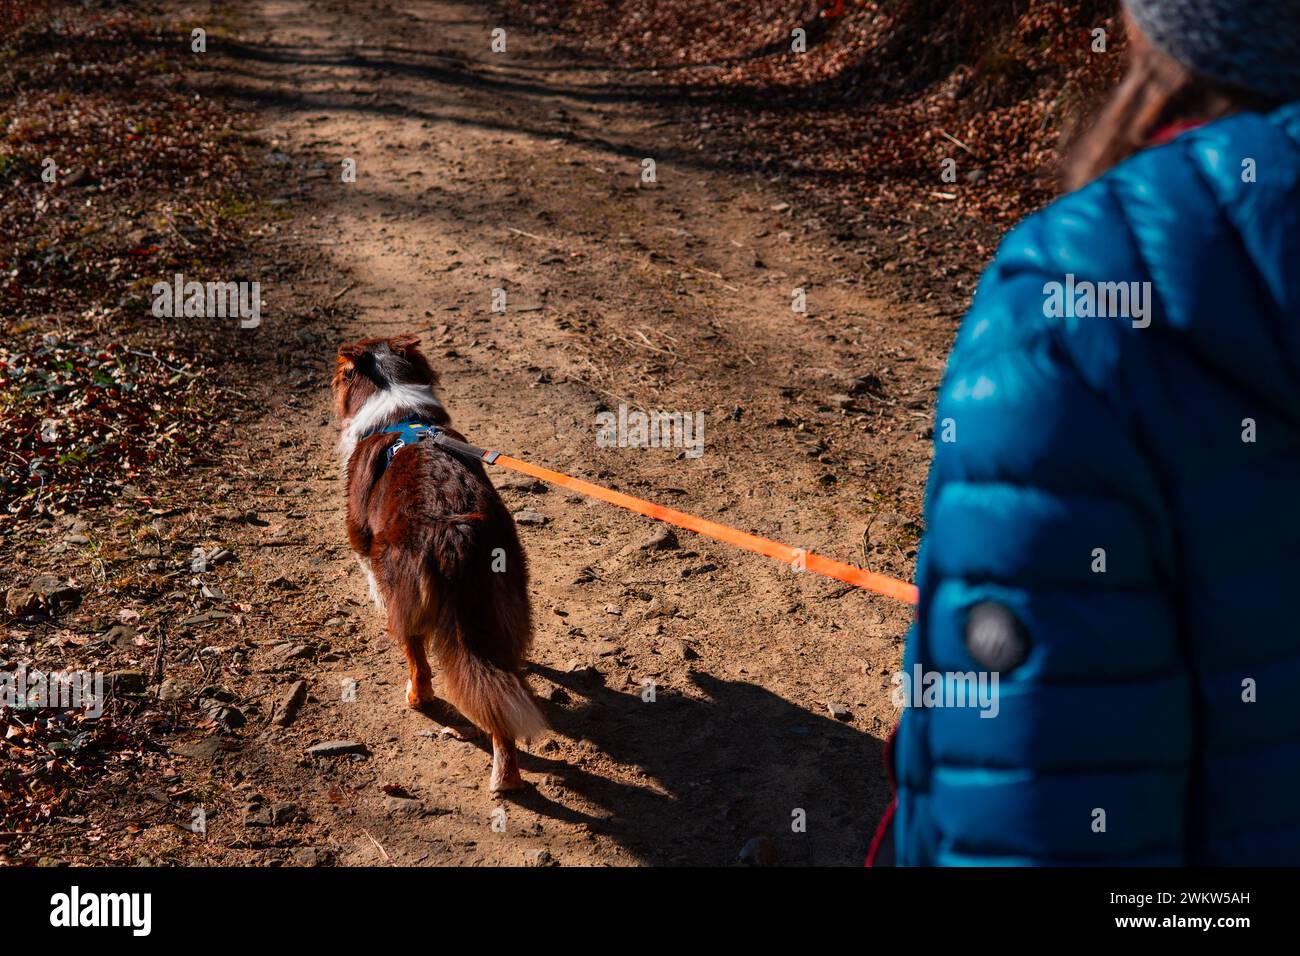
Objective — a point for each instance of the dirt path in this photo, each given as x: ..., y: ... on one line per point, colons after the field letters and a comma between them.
x: 520, y: 171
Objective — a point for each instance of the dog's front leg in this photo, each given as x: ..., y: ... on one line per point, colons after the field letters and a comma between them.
x: 419, y: 681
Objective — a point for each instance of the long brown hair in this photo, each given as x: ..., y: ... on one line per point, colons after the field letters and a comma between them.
x: 1157, y: 91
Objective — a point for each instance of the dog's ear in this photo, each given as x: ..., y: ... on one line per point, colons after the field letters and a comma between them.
x: 401, y: 343
x: 348, y: 355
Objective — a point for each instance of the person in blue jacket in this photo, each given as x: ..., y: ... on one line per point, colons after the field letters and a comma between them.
x: 1113, y: 511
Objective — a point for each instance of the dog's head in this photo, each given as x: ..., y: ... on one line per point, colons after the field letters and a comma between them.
x: 372, y: 366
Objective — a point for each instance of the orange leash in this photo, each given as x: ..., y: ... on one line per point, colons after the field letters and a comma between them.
x: 796, y: 557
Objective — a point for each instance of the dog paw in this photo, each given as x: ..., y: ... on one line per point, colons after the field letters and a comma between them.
x: 508, y: 784
x: 460, y: 732
x: 419, y: 699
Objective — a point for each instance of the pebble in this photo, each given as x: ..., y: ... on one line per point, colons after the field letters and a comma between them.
x: 575, y: 666
x: 260, y: 814
x: 22, y: 603
x: 658, y: 607
x: 54, y: 591
x: 406, y: 806
x: 530, y: 517
x: 257, y: 815
x: 282, y: 813
x: 310, y: 856
x: 221, y: 712
x: 171, y: 689
x: 204, y: 749
x: 701, y: 569
x: 219, y: 556
x: 336, y: 748
x: 121, y: 635
x: 664, y: 539
x: 286, y: 711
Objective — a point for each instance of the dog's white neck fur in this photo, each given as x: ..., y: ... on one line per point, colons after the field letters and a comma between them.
x: 393, y: 403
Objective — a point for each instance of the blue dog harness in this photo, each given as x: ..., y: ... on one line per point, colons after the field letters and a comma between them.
x: 409, y: 431
x: 414, y: 428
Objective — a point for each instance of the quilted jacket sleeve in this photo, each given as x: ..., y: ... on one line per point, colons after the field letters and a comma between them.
x: 1042, y: 501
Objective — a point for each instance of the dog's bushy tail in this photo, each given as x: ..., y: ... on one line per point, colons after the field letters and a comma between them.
x: 492, y: 697
x: 481, y: 638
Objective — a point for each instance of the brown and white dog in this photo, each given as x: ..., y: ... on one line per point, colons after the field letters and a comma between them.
x: 438, y: 546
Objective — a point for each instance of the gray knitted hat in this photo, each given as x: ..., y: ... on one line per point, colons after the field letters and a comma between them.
x: 1253, y: 45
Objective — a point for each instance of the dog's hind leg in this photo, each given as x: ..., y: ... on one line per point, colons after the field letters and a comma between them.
x: 371, y: 583
x: 505, y: 765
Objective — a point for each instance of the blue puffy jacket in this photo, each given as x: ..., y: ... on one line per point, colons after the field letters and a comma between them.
x: 1124, y: 494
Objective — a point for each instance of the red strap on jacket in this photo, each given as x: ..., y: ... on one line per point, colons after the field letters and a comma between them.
x: 887, y: 819
x: 1173, y: 130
